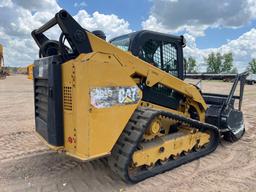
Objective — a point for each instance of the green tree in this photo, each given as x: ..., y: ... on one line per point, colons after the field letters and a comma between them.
x: 211, y: 62
x: 227, y: 63
x: 214, y: 63
x: 234, y: 70
x: 252, y: 66
x: 191, y: 65
x: 218, y: 63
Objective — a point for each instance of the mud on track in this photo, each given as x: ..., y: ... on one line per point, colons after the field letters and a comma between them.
x: 27, y: 165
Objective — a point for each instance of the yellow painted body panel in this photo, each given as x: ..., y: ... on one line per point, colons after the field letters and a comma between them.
x: 91, y: 132
x: 173, y: 146
x: 153, y: 74
x: 1, y: 56
x: 30, y: 71
x: 1, y: 51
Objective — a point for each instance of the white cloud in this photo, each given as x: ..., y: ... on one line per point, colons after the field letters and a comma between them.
x: 243, y: 49
x: 195, y: 16
x: 6, y: 3
x: 110, y: 24
x: 42, y: 5
x: 152, y: 23
x: 19, y: 18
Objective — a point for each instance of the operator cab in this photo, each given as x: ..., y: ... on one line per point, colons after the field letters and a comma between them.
x: 161, y: 50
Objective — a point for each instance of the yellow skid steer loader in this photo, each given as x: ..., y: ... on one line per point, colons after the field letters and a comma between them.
x: 126, y: 99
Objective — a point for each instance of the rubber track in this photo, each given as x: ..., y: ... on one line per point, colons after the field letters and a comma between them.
x: 130, y: 138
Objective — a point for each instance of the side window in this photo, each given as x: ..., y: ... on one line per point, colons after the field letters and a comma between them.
x: 160, y: 54
x: 170, y: 59
x: 150, y: 52
x: 157, y: 57
x: 122, y: 42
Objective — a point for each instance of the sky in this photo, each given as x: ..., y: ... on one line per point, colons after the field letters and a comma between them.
x: 209, y: 26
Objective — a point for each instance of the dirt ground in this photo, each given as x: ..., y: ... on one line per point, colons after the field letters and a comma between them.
x: 27, y: 165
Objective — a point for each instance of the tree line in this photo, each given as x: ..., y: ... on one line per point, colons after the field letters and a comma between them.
x: 217, y: 63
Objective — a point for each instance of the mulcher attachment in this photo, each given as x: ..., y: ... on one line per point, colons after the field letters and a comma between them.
x: 222, y: 112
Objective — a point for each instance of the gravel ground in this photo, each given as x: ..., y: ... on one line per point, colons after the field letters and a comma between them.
x: 27, y: 165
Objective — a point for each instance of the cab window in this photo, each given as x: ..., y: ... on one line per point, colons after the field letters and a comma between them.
x: 170, y: 64
x: 122, y: 42
x: 160, y: 54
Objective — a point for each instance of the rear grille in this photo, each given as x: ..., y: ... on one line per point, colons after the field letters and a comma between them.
x: 48, y: 99
x: 41, y: 98
x: 67, y: 98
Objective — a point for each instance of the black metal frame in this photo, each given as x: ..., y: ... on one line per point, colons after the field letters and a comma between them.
x: 240, y: 78
x: 73, y: 32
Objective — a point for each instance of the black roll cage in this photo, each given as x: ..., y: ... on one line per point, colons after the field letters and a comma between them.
x: 138, y: 39
x: 73, y: 32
